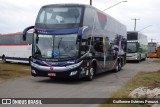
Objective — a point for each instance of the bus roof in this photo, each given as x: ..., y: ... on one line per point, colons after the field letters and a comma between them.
x: 68, y: 4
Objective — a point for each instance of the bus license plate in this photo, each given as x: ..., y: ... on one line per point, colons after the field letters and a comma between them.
x: 52, y: 74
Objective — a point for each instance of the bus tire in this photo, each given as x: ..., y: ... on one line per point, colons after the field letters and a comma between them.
x: 118, y: 66
x: 91, y: 74
x: 139, y: 59
x: 4, y: 59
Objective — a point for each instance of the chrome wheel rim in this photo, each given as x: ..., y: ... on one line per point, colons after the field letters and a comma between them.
x: 91, y: 73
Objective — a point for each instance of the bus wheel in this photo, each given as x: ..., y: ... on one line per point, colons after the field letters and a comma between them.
x: 91, y: 74
x: 118, y: 66
x: 139, y: 60
x: 3, y: 59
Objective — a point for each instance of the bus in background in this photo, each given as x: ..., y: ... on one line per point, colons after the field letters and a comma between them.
x: 136, y: 46
x: 153, y: 50
x: 158, y: 51
x: 14, y: 49
x: 76, y: 41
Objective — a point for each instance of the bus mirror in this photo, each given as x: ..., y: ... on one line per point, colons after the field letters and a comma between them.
x: 25, y: 32
x: 24, y: 36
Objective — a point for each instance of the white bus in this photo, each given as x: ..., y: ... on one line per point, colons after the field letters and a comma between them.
x: 14, y: 49
x: 136, y: 46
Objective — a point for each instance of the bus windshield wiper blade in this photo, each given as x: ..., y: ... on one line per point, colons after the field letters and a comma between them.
x: 59, y: 46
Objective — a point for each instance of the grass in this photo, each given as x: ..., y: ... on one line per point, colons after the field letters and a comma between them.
x: 13, y: 70
x: 157, y: 61
x: 147, y: 79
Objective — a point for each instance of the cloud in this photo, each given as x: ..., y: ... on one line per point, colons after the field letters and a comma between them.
x: 18, y: 14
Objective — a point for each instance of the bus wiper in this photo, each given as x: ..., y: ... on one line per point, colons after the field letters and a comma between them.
x: 59, y: 46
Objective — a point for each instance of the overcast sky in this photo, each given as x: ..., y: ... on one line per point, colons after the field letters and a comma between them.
x: 15, y: 15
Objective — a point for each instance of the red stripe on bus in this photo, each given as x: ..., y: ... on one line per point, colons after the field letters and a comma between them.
x: 13, y: 44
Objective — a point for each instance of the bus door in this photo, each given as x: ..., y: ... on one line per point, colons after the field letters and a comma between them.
x: 112, y: 56
x: 101, y: 57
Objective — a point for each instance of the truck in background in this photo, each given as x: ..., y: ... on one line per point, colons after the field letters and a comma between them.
x: 136, y: 46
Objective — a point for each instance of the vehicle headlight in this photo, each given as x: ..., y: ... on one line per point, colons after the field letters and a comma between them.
x: 33, y: 64
x: 73, y: 73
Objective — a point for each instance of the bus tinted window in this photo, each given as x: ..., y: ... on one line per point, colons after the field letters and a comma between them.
x: 132, y: 36
x: 59, y: 15
x: 151, y: 49
x: 29, y: 38
x: 7, y: 39
x: 89, y: 19
x: 16, y: 39
x: 152, y: 44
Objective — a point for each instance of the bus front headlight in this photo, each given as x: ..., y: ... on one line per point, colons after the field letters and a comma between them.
x: 33, y: 64
x: 73, y: 73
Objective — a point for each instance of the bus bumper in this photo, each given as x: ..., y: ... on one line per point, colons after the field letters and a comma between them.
x: 73, y: 73
x: 66, y: 74
x: 132, y: 56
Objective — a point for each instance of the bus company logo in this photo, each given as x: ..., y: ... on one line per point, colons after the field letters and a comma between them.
x: 102, y: 19
x: 6, y: 101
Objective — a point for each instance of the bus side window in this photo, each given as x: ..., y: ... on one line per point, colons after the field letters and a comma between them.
x: 17, y: 39
x: 98, y: 45
x: 29, y: 38
x: 84, y: 46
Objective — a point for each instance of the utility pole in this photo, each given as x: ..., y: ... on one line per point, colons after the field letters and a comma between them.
x: 152, y: 40
x: 91, y: 2
x: 135, y: 23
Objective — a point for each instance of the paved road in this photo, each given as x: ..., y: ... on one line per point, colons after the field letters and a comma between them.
x: 101, y: 87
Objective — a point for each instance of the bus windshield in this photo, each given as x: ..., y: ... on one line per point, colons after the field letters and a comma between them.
x: 59, y: 16
x: 152, y: 44
x: 132, y: 36
x: 59, y: 47
x: 152, y: 50
x: 132, y: 47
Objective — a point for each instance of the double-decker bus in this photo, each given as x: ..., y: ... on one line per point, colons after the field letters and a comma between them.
x: 153, y: 50
x: 14, y: 49
x: 76, y: 41
x: 136, y: 46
